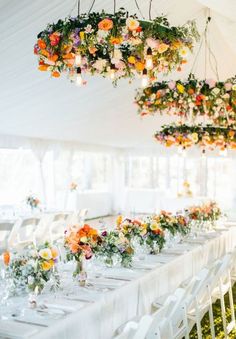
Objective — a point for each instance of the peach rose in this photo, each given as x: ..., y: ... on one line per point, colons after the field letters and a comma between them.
x: 105, y: 25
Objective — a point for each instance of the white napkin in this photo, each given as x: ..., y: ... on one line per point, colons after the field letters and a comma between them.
x: 63, y: 304
x: 14, y: 330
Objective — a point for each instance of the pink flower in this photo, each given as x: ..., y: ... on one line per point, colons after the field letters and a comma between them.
x: 171, y: 84
x: 228, y: 86
x: 152, y: 43
x: 211, y: 83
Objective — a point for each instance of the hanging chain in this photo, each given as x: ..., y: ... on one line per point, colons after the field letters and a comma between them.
x: 114, y: 7
x: 91, y: 7
x: 137, y: 5
x: 150, y: 10
x: 78, y: 7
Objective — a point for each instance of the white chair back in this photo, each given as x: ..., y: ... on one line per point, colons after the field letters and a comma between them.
x: 133, y: 330
x: 5, y: 231
x: 57, y: 226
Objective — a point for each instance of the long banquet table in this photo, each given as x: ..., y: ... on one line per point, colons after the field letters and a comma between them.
x: 100, y: 319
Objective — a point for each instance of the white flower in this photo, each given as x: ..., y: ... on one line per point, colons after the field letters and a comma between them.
x: 132, y: 24
x: 234, y: 87
x: 102, y: 34
x: 45, y: 253
x: 219, y: 101
x: 215, y: 91
x: 100, y: 64
x: 89, y: 29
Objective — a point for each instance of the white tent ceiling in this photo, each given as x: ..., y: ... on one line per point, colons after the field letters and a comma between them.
x: 32, y: 104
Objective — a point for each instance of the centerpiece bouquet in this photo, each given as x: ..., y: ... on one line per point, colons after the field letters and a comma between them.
x: 115, y: 248
x: 33, y: 268
x: 80, y: 243
x: 154, y: 237
x: 33, y: 202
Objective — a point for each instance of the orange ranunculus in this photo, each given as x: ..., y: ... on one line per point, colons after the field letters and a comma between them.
x: 231, y: 133
x: 190, y: 91
x: 53, y: 58
x: 74, y: 247
x: 139, y: 66
x: 43, y: 67
x: 92, y: 50
x: 55, y: 74
x: 45, y: 53
x: 68, y: 56
x: 41, y: 44
x: 6, y: 258
x: 116, y: 40
x: 54, y: 38
x: 105, y: 25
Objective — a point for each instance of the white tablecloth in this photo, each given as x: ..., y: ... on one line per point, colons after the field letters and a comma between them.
x: 100, y: 319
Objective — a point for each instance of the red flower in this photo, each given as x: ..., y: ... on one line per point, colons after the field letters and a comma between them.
x: 54, y: 38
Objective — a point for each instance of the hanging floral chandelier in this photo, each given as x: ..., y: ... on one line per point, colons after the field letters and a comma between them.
x: 192, y: 100
x: 115, y: 45
x: 207, y: 137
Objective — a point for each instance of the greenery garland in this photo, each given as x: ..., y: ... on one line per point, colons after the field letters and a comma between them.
x: 115, y: 45
x: 191, y: 99
x: 204, y: 136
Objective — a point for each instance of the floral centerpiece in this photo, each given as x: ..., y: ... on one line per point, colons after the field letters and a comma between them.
x: 167, y: 221
x: 32, y: 201
x: 131, y: 228
x: 154, y: 237
x: 187, y: 192
x: 34, y: 267
x: 115, y: 248
x: 73, y: 186
x: 204, y: 136
x: 113, y: 45
x: 80, y: 243
x: 193, y: 99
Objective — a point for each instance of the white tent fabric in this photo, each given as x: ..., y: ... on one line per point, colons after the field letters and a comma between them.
x: 33, y: 105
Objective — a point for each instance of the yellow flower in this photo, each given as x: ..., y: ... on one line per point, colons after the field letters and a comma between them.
x: 180, y: 88
x: 131, y: 59
x: 162, y: 48
x: 132, y: 24
x: 234, y: 87
x: 154, y: 226
x: 47, y: 265
x: 84, y: 239
x: 119, y: 220
x: 81, y: 34
x: 45, y: 253
x: 194, y: 137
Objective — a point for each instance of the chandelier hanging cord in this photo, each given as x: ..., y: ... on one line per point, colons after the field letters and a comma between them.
x: 114, y: 7
x: 203, y: 38
x: 137, y: 5
x: 73, y: 7
x: 212, y: 58
x: 91, y: 7
x: 78, y: 7
x: 150, y: 10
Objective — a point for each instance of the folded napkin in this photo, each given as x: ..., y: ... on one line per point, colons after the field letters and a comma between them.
x: 11, y: 329
x: 63, y: 304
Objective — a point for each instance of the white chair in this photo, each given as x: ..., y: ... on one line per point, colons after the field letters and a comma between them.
x: 170, y: 321
x: 82, y: 215
x: 23, y: 233
x: 220, y: 285
x: 57, y: 226
x: 136, y: 330
x: 5, y: 231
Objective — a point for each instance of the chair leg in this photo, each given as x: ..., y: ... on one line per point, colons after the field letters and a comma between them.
x: 223, y: 312
x: 199, y: 328
x: 231, y: 303
x: 213, y: 335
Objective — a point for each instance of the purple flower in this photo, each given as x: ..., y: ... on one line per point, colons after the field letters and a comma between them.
x: 104, y: 233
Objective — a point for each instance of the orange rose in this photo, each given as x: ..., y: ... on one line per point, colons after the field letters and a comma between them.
x: 116, y: 40
x: 231, y: 133
x: 105, y: 25
x: 190, y: 91
x: 41, y: 44
x: 6, y: 258
x: 56, y: 74
x: 43, y: 67
x: 45, y: 53
x: 92, y: 50
x: 139, y: 66
x: 54, y: 38
x: 53, y: 58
